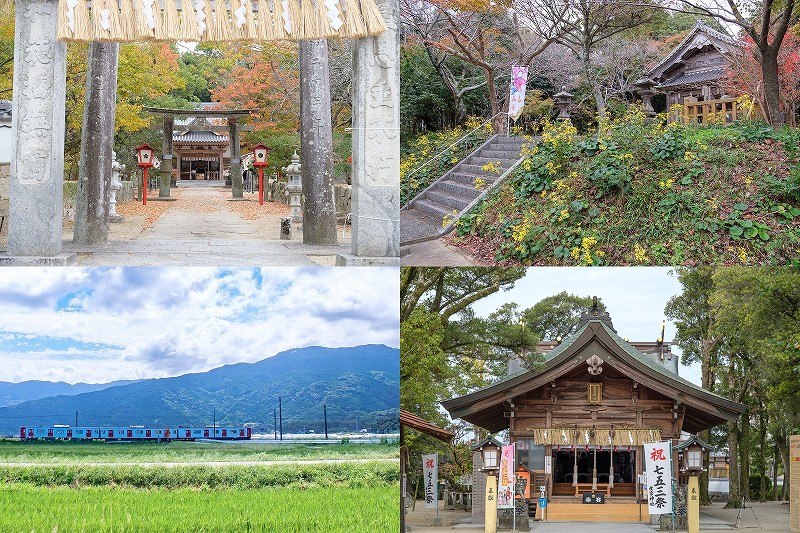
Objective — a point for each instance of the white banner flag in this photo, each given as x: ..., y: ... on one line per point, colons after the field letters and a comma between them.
x: 658, y: 465
x: 516, y: 99
x: 505, y: 488
x: 430, y: 471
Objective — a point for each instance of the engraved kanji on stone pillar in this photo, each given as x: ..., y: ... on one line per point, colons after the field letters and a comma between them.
x: 376, y: 141
x: 37, y: 168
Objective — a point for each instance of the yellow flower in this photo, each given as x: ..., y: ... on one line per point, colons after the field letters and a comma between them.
x: 575, y: 252
x: 479, y: 183
x: 492, y: 166
x: 712, y: 203
x: 666, y: 184
x: 639, y: 253
x: 748, y: 180
x: 563, y: 215
x: 742, y: 254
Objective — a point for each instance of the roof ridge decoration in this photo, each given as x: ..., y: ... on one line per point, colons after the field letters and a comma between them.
x: 245, y: 21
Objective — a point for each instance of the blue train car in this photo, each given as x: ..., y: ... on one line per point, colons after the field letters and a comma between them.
x: 133, y: 433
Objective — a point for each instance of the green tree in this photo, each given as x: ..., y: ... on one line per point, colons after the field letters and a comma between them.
x: 556, y: 316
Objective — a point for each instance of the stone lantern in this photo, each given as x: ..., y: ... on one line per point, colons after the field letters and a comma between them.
x: 563, y: 101
x: 645, y: 87
x: 116, y: 184
x: 294, y: 189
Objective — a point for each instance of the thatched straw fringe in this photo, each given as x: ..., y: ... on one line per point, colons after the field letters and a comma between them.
x: 189, y: 31
x: 326, y: 25
x: 238, y: 32
x: 222, y: 25
x: 208, y: 33
x: 353, y: 21
x: 143, y: 22
x: 309, y: 18
x: 250, y: 26
x: 296, y: 16
x: 127, y: 19
x: 264, y: 31
x: 373, y: 18
x: 171, y: 21
x: 111, y: 18
x: 81, y: 29
x: 279, y: 19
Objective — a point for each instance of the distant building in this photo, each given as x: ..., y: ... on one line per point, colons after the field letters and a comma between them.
x: 693, y: 75
x: 201, y: 153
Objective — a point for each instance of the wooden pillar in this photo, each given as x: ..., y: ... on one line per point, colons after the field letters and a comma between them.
x: 166, y: 157
x: 237, y: 187
x: 178, y: 166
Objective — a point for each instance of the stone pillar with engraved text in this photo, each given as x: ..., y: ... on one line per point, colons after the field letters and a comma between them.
x: 37, y: 169
x: 376, y: 145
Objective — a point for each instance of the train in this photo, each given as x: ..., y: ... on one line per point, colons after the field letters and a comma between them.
x: 133, y: 433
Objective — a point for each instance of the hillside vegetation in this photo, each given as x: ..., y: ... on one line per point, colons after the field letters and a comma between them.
x: 359, y: 386
x: 639, y: 192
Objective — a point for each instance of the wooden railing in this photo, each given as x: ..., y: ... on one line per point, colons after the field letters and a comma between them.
x: 721, y: 111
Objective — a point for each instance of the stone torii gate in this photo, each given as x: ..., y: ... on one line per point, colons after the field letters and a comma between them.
x: 231, y: 115
x: 37, y: 168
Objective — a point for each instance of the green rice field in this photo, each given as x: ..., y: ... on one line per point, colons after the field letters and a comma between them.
x: 31, y: 509
x: 192, y: 487
x: 15, y: 451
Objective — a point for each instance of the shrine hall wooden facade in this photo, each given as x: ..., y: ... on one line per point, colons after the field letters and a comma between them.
x: 580, y: 420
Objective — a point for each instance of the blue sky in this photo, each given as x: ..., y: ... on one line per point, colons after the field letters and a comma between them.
x: 635, y: 298
x: 100, y: 325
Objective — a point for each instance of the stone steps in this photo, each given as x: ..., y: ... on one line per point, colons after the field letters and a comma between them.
x: 452, y: 194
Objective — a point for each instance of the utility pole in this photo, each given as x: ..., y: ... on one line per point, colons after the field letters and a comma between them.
x: 325, y: 413
x: 275, y: 423
x: 76, y: 418
x: 215, y: 424
x: 280, y: 416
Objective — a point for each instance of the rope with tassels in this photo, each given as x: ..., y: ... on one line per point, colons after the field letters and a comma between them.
x: 211, y: 20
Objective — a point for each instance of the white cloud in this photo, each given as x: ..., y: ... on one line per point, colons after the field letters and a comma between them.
x: 171, y: 321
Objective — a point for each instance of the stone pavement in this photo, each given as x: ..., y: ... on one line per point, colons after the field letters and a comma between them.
x: 768, y: 517
x: 434, y: 253
x: 202, y: 226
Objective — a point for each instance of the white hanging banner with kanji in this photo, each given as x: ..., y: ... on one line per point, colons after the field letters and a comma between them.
x: 658, y: 466
x: 430, y: 473
x: 516, y: 99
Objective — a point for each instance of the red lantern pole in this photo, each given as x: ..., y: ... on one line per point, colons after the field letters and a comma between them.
x: 260, y: 185
x: 144, y: 185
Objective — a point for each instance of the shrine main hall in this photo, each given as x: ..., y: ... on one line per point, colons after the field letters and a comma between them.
x: 580, y: 420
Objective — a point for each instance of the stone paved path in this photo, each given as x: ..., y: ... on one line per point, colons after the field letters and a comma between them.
x: 204, y: 227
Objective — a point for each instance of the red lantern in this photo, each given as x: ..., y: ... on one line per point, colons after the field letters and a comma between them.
x: 145, y: 155
x: 260, y: 155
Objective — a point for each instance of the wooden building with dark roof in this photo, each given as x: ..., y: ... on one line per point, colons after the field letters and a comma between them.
x: 694, y: 74
x: 582, y: 417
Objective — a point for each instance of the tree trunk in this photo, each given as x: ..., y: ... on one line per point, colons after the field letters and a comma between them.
x: 744, y: 454
x: 733, y: 476
x: 97, y: 145
x: 498, y: 122
x: 772, y: 87
x: 316, y: 141
x: 449, y: 81
x: 775, y: 456
x: 780, y: 439
x: 734, y: 480
x: 762, y: 463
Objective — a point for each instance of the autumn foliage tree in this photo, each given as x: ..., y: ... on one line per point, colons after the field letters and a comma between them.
x: 745, y: 76
x: 266, y: 78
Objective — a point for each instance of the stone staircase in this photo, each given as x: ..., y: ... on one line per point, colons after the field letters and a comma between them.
x: 454, y: 194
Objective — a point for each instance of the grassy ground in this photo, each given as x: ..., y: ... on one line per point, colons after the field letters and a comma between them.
x: 28, y: 508
x: 15, y: 451
x: 641, y: 193
x: 83, y: 492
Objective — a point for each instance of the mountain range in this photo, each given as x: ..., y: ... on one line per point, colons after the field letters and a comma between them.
x: 16, y: 393
x: 360, y: 387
